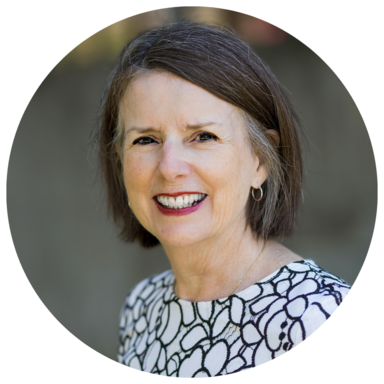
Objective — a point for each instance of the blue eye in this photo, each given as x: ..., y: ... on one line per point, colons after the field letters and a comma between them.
x: 205, y: 136
x: 144, y: 141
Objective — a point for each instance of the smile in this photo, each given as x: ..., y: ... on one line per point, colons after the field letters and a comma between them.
x: 180, y: 202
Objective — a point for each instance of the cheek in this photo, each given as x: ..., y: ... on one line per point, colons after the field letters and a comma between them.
x: 137, y: 174
x: 227, y: 173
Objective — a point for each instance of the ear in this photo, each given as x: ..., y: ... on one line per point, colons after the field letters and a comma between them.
x: 274, y: 137
x: 260, y: 174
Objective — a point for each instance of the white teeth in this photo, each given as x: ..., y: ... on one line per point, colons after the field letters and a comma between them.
x: 171, y: 202
x: 180, y: 201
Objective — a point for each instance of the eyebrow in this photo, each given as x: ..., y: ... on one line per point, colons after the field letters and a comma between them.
x: 188, y: 127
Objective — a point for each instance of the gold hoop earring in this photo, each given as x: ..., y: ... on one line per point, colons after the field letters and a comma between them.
x: 261, y: 194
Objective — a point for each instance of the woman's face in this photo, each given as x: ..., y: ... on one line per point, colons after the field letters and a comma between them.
x: 188, y: 167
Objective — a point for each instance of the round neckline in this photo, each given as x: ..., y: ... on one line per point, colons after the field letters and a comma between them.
x: 265, y: 280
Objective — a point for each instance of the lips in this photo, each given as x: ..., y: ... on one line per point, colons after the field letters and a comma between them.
x: 181, y: 203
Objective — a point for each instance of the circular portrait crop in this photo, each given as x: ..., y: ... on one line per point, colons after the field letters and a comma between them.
x: 182, y: 192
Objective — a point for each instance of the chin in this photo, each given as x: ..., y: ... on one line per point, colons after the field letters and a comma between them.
x: 181, y: 235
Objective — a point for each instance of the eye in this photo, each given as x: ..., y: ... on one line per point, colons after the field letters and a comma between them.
x: 144, y: 140
x: 205, y: 136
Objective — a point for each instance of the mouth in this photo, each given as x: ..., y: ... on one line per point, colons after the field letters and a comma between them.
x: 179, y: 204
x: 180, y: 201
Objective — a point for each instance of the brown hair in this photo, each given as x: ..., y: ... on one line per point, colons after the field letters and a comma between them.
x: 218, y: 61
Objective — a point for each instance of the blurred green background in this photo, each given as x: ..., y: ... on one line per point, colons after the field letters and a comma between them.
x: 67, y: 245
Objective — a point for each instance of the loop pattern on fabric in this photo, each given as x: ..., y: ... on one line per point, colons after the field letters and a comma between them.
x: 163, y: 334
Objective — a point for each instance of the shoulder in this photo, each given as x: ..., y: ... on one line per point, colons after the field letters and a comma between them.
x: 136, y: 306
x: 302, y: 284
x: 313, y: 294
x: 308, y: 279
x: 141, y: 294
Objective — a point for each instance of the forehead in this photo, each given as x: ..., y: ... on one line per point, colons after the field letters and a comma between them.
x: 154, y: 97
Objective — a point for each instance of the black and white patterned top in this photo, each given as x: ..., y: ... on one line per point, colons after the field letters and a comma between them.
x: 163, y: 334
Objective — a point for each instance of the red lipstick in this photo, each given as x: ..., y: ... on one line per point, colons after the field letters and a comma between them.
x: 181, y: 211
x: 177, y: 194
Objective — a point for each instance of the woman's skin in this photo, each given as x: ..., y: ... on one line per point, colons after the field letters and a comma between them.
x: 180, y: 138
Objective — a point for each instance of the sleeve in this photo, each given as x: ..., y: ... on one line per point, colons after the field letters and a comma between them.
x: 126, y: 322
x: 122, y: 326
x: 319, y: 309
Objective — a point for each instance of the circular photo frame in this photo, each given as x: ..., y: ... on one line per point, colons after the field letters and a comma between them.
x: 68, y: 246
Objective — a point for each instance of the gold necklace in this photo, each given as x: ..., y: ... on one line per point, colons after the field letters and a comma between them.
x: 250, y: 269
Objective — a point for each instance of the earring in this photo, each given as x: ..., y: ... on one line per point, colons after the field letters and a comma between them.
x: 261, y: 194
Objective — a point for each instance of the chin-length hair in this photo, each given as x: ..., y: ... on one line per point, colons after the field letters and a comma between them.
x: 218, y: 61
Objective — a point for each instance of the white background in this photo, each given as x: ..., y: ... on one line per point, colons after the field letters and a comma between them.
x: 36, y: 35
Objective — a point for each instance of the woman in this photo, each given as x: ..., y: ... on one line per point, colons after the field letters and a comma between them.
x: 201, y: 153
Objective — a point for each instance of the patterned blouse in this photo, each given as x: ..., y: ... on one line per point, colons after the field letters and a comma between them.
x: 162, y: 334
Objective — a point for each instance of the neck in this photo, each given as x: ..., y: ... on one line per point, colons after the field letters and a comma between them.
x: 211, y: 269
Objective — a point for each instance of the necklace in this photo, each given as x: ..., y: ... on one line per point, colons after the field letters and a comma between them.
x: 250, y: 269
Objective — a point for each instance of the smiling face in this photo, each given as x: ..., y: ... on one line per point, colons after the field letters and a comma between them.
x: 187, y: 164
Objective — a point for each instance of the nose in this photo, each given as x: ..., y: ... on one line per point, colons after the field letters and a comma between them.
x: 173, y: 165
